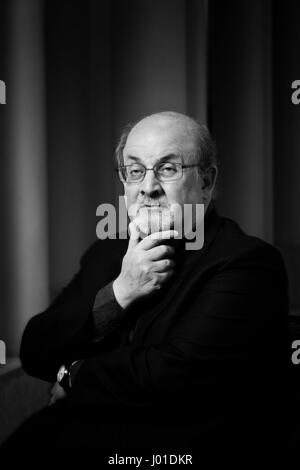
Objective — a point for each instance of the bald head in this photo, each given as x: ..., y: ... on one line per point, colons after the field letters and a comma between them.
x: 186, y: 134
x: 173, y: 132
x: 184, y: 125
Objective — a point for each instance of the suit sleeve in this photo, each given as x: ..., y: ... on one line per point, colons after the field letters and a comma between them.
x: 107, y: 313
x: 71, y: 328
x: 225, y: 332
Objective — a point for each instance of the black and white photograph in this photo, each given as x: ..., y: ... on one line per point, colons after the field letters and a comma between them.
x: 150, y: 234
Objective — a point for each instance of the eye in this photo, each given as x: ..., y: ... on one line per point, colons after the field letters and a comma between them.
x: 167, y: 169
x: 135, y: 171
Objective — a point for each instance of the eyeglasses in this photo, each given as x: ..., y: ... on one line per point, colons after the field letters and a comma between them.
x: 164, y: 171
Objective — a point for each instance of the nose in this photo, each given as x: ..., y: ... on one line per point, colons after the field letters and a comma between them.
x: 150, y: 186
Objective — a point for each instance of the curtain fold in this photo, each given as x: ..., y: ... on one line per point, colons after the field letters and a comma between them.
x: 25, y: 192
x: 77, y: 72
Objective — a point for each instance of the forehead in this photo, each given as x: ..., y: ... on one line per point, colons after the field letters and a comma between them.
x: 152, y: 139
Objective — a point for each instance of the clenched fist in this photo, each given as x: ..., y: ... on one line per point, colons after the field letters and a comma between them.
x: 146, y: 266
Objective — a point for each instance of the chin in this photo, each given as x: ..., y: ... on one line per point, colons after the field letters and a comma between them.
x: 151, y: 221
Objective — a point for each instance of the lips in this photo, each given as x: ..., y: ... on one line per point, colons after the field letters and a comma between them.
x: 150, y: 204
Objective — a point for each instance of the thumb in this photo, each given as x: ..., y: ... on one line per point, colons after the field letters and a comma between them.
x: 134, y: 235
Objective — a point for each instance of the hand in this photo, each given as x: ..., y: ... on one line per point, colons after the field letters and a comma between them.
x: 57, y: 393
x: 146, y: 266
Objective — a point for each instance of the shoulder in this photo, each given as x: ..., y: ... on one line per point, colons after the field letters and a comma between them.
x: 248, y: 266
x: 109, y: 249
x: 233, y: 245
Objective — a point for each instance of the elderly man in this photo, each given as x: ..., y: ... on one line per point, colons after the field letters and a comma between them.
x: 159, y: 349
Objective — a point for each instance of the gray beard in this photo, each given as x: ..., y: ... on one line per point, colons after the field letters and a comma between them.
x: 150, y: 221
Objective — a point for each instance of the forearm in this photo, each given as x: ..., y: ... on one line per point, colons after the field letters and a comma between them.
x: 59, y: 334
x: 107, y: 312
x: 67, y: 329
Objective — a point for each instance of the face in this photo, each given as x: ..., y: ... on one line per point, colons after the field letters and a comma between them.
x: 152, y: 204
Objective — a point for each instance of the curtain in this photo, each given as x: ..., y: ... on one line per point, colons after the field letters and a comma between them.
x: 77, y: 72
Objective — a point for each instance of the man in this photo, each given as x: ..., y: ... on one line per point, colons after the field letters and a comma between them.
x: 164, y: 350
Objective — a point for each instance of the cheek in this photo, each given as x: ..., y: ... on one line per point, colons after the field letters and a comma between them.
x: 131, y: 197
x: 179, y: 195
x: 188, y: 193
x: 174, y: 194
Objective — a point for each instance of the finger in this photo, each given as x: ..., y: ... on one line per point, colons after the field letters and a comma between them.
x: 163, y: 265
x: 161, y: 252
x: 134, y: 235
x: 156, y: 238
x: 163, y: 277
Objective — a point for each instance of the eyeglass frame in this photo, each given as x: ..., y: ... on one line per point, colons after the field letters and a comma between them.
x: 183, y: 166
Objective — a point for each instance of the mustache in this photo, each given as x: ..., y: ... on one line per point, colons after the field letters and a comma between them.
x: 152, y: 203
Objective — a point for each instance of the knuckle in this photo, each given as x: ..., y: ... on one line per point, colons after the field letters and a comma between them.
x: 144, y: 268
x: 138, y: 259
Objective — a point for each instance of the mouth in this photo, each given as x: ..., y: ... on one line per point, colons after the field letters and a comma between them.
x: 151, y: 208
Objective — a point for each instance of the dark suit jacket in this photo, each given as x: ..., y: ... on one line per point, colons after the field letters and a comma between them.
x: 206, y: 362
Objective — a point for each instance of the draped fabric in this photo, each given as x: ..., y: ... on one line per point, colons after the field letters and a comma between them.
x: 77, y: 72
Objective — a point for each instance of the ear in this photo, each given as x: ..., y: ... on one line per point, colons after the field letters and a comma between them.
x: 209, y: 178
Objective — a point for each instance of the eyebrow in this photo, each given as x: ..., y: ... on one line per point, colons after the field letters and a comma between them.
x: 162, y: 159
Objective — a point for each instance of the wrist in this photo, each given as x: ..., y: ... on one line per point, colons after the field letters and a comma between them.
x: 121, y: 294
x: 67, y: 373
